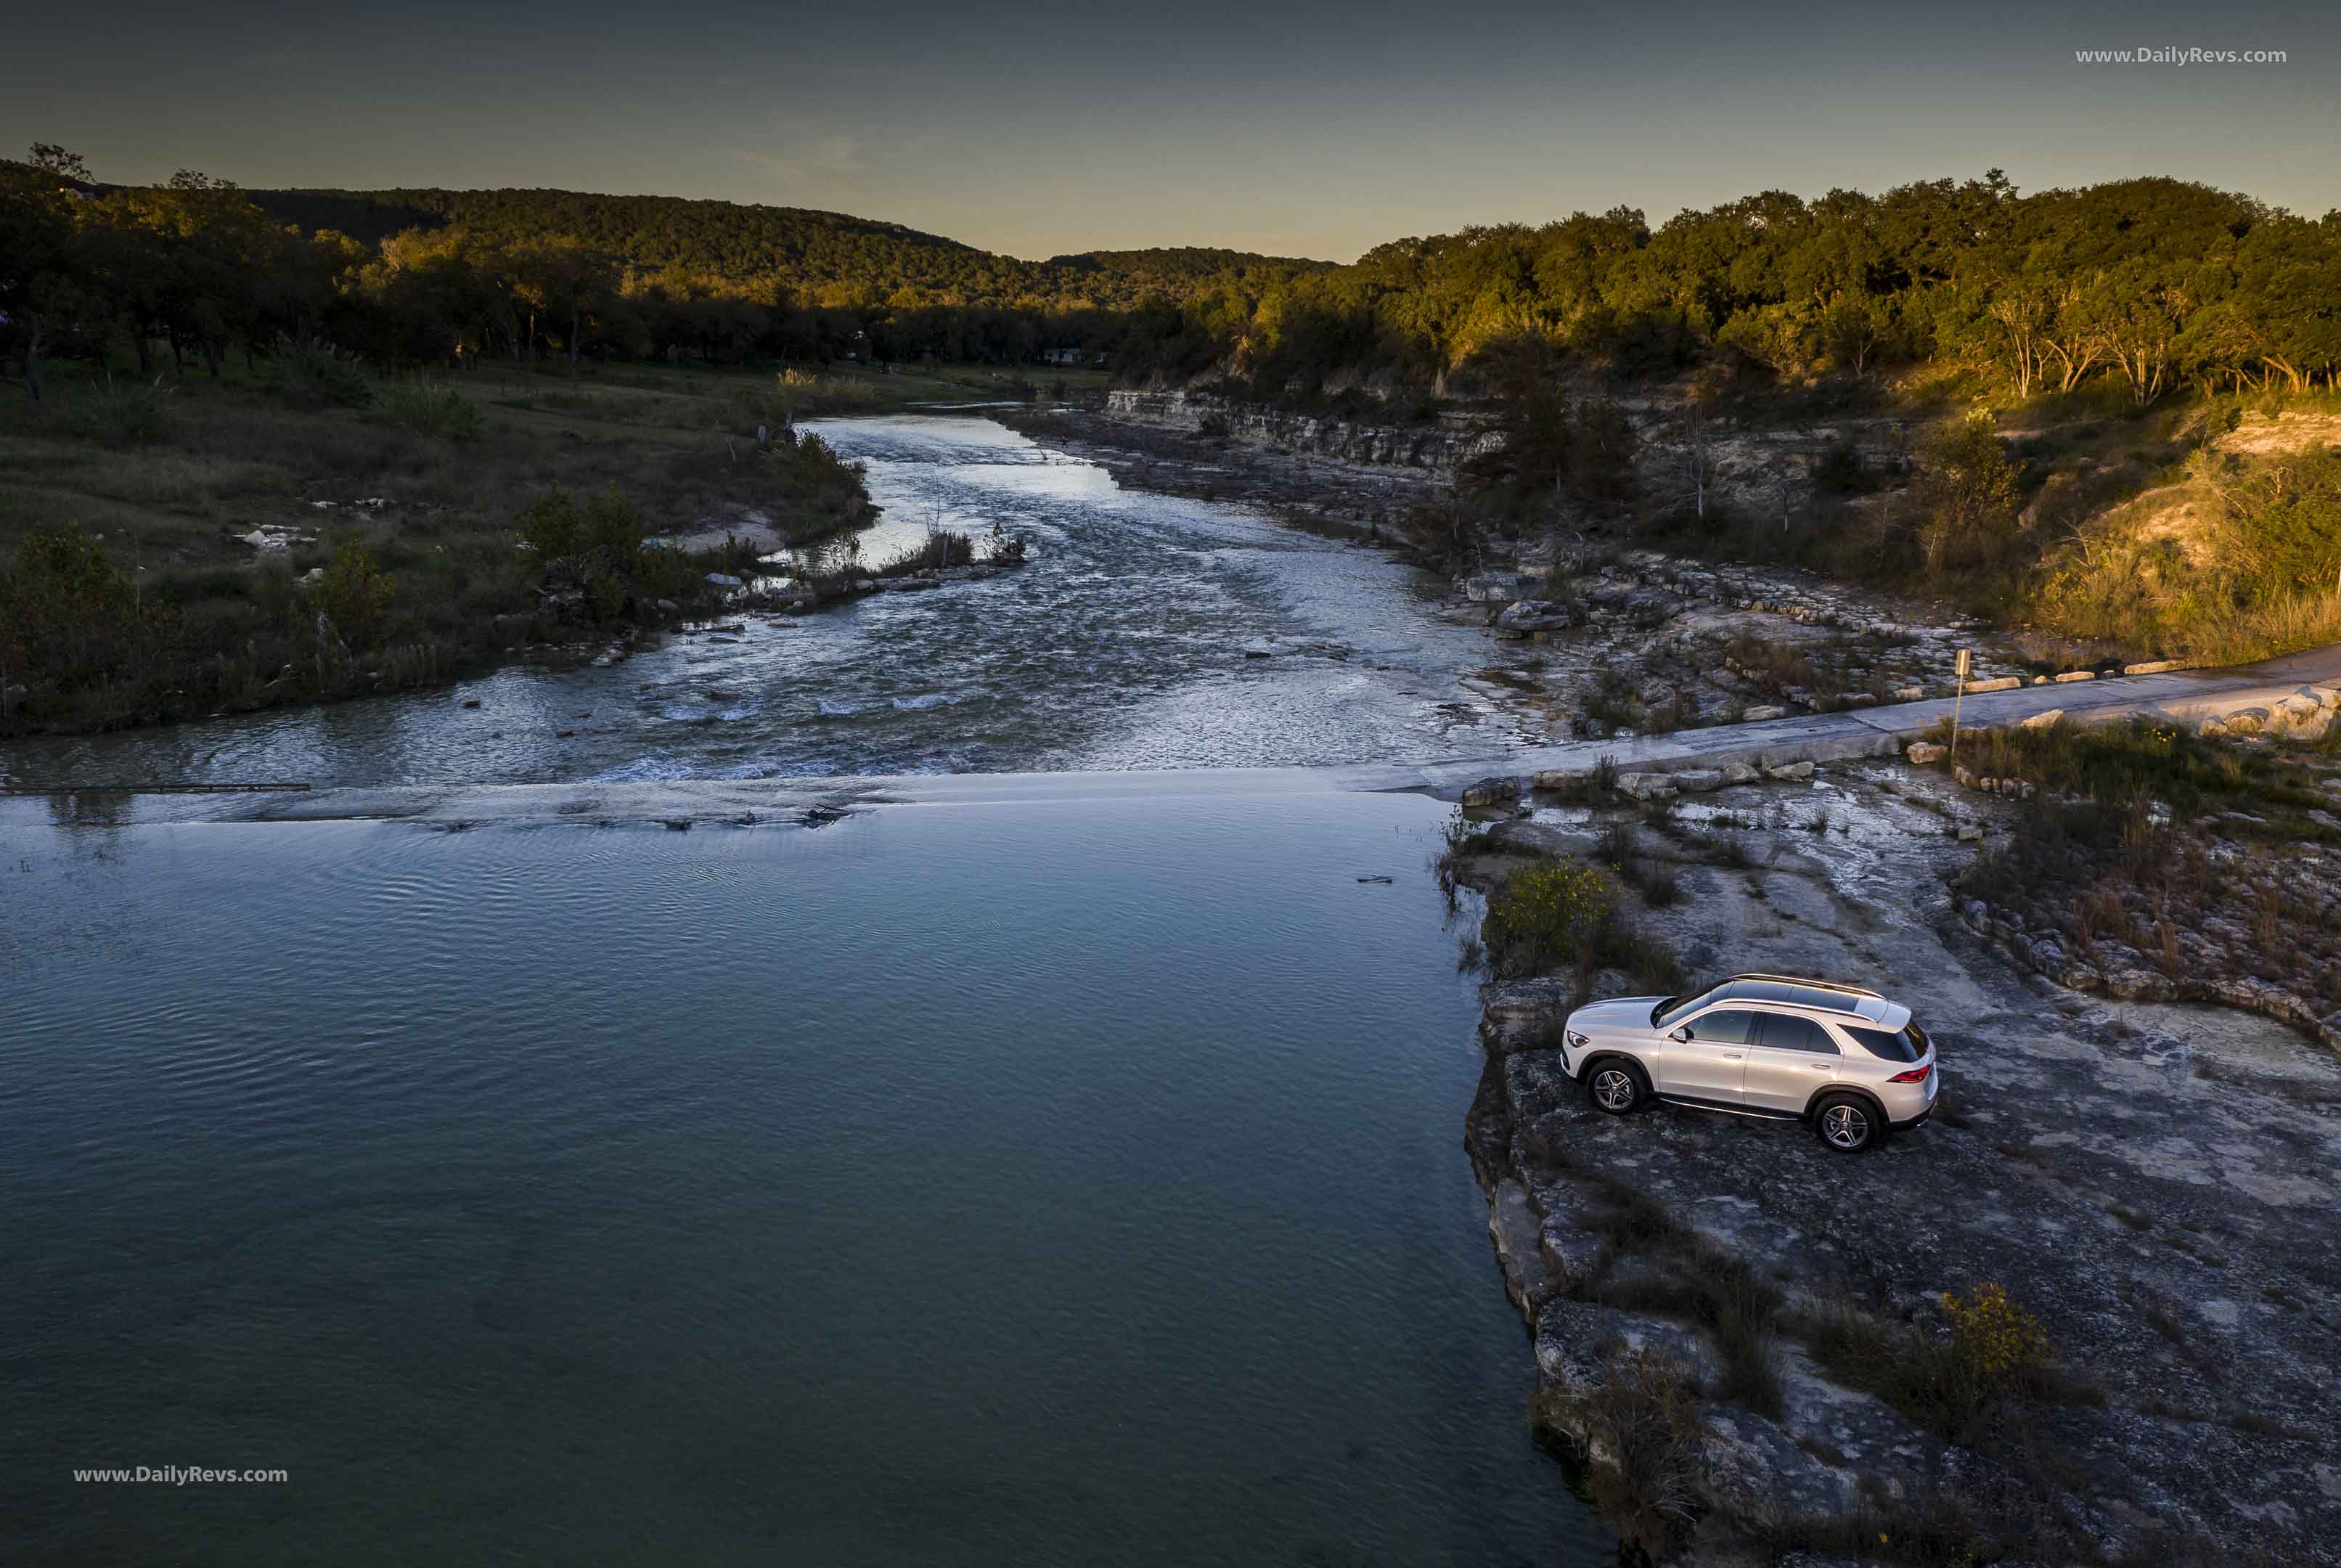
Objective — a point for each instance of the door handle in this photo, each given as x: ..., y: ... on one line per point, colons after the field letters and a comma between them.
x: 1732, y: 1056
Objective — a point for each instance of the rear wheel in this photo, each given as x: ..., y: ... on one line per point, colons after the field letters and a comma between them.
x: 1616, y: 1087
x: 1846, y: 1122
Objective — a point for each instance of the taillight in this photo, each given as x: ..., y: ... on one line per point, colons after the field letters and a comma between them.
x: 1915, y: 1075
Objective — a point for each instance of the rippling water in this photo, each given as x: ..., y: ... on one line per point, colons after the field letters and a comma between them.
x: 1071, y: 1185
x: 1121, y: 646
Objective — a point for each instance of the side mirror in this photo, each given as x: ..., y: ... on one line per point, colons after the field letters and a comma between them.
x: 1682, y: 1034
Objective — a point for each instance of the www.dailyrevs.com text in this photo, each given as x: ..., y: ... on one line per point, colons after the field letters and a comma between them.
x: 2173, y: 55
x: 182, y: 1475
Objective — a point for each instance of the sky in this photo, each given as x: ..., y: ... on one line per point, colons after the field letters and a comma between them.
x: 1294, y: 128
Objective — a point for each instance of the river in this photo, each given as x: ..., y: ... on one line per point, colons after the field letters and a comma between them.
x: 1123, y: 645
x: 1066, y: 1179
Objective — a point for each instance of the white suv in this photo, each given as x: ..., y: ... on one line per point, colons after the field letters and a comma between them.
x: 1846, y: 1059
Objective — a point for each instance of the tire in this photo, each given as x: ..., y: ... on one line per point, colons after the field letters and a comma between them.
x: 1616, y: 1087
x: 1848, y: 1123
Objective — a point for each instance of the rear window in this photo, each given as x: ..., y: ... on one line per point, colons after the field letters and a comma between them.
x: 1904, y: 1044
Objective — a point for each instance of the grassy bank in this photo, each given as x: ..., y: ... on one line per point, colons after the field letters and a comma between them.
x: 308, y: 531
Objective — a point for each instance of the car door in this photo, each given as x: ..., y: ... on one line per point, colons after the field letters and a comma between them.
x: 1711, y: 1060
x: 1789, y: 1059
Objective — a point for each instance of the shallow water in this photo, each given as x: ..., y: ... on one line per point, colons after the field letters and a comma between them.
x: 1063, y: 1183
x: 1119, y: 646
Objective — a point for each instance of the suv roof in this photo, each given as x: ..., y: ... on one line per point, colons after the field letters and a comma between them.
x: 1820, y: 996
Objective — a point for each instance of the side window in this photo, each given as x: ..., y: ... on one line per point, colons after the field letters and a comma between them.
x: 1725, y: 1026
x: 1779, y: 1031
x: 1892, y: 1045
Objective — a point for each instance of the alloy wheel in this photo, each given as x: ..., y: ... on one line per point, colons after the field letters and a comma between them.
x: 1613, y: 1089
x: 1845, y: 1126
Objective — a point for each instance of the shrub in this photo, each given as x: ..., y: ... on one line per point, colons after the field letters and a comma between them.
x: 127, y: 414
x: 941, y: 548
x: 551, y: 525
x: 1998, y: 1339
x: 355, y: 593
x: 1545, y: 916
x: 67, y: 616
x: 1644, y: 1423
x: 429, y: 410
x: 1968, y: 491
x: 313, y: 375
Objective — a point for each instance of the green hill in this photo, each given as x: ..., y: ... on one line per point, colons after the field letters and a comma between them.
x: 830, y: 256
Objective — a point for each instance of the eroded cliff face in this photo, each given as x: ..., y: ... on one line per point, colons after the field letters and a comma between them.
x: 1750, y: 471
x: 1433, y: 448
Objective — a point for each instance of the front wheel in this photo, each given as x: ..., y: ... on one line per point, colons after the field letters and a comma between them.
x: 1846, y: 1122
x: 1616, y: 1088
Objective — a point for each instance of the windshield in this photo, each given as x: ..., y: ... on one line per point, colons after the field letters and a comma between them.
x: 1675, y: 1009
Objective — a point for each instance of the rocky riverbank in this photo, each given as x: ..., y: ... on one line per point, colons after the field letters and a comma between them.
x: 1765, y: 1348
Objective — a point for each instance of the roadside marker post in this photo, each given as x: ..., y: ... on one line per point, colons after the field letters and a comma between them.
x: 1965, y: 664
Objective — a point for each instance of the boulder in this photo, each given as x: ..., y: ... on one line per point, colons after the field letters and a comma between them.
x: 1926, y: 754
x: 1962, y: 777
x: 1575, y: 1339
x: 1646, y: 787
x: 1573, y: 1257
x: 1750, y: 1463
x: 1699, y: 781
x: 1739, y: 773
x: 1496, y: 587
x: 1790, y: 773
x: 1559, y: 778
x: 1492, y: 792
x: 1909, y: 694
x: 1532, y: 616
x: 2041, y: 721
x: 1525, y: 1014
x: 724, y: 580
x: 1758, y: 715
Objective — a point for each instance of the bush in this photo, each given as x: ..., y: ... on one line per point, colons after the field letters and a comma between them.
x: 1645, y: 1422
x: 313, y: 375
x: 68, y: 618
x: 1545, y: 916
x: 429, y: 410
x: 355, y: 594
x: 125, y: 413
x: 940, y: 549
x: 551, y: 525
x: 1969, y: 491
x: 1998, y: 1339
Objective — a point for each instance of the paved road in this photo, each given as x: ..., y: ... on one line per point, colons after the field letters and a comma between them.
x: 2186, y: 697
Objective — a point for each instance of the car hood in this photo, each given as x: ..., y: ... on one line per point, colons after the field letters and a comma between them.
x: 1618, y: 1013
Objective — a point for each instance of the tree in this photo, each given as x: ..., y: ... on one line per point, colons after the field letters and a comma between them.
x: 42, y: 261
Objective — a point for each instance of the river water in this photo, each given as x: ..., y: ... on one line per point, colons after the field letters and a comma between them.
x: 1070, y: 1179
x: 1051, y: 1183
x: 1122, y: 645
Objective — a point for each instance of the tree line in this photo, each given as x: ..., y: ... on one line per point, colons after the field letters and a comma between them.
x: 200, y: 269
x: 2152, y: 284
